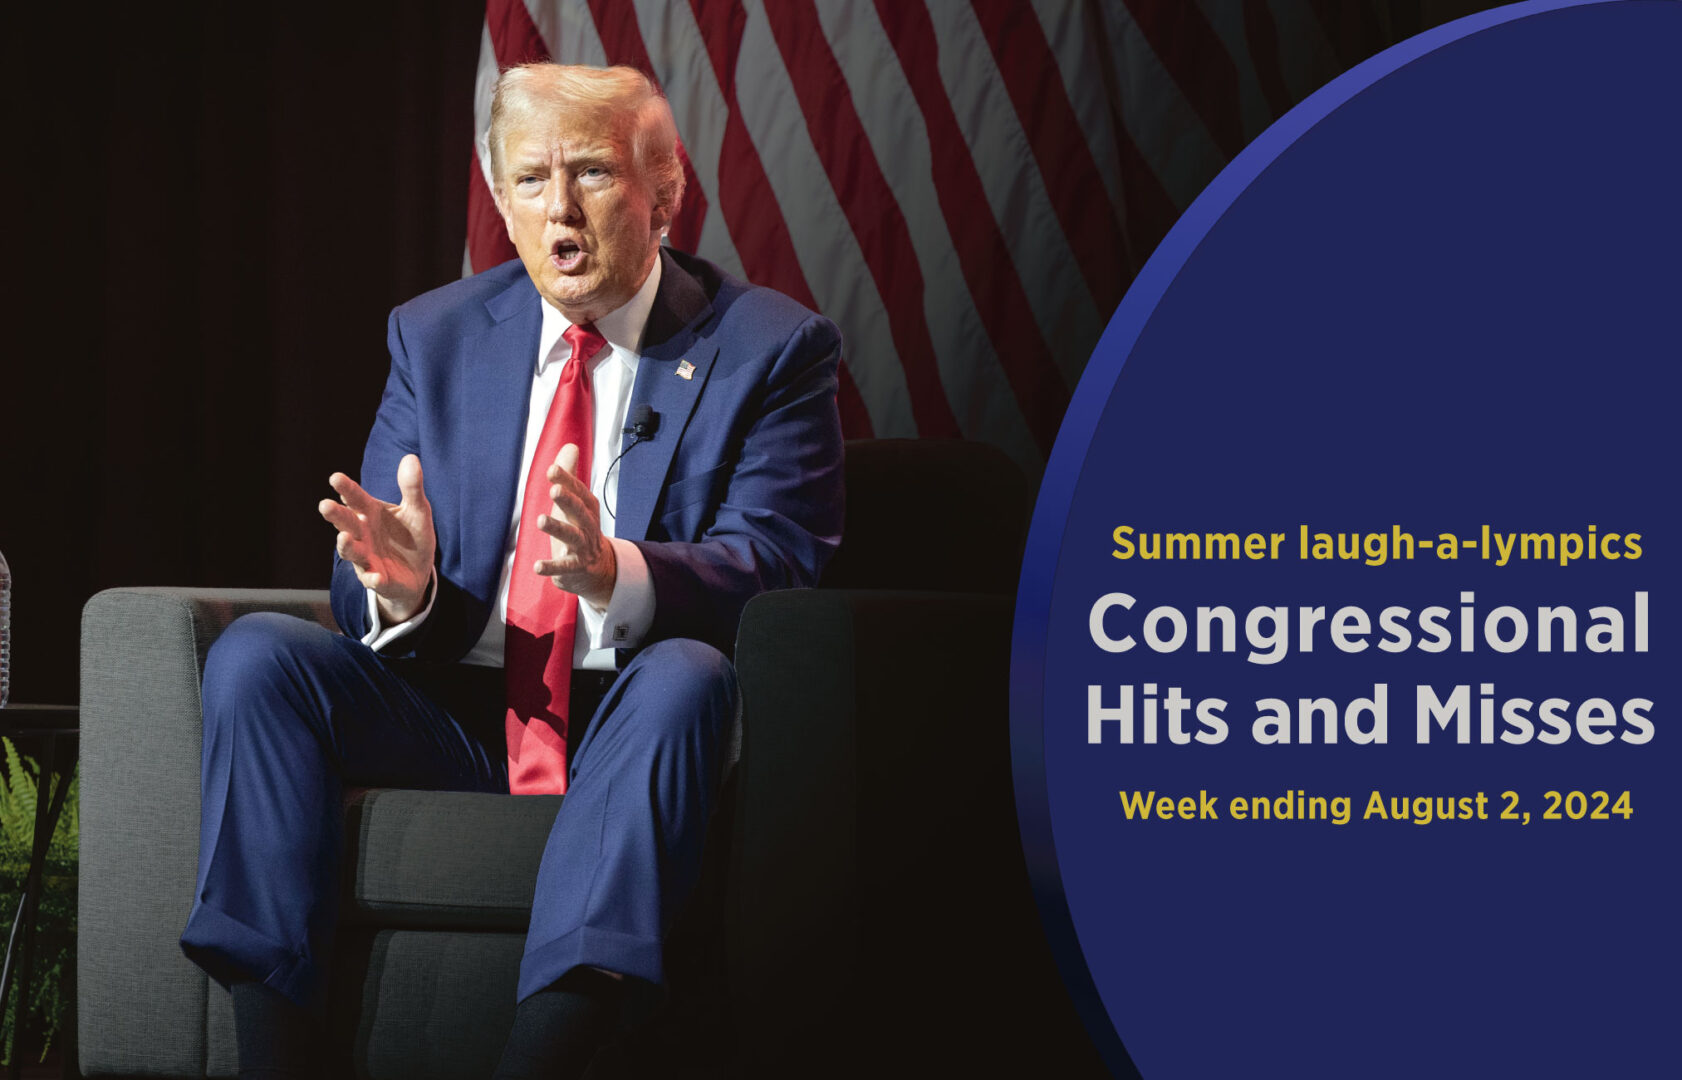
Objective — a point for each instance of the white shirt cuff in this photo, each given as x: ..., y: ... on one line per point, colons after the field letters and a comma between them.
x: 630, y: 610
x: 378, y: 637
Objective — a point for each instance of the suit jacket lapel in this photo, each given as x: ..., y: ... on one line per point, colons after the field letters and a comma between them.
x: 495, y: 395
x: 670, y: 340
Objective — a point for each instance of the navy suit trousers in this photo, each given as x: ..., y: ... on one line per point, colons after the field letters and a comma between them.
x: 294, y: 714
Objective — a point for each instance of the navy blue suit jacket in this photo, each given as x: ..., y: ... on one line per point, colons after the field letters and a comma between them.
x: 739, y: 490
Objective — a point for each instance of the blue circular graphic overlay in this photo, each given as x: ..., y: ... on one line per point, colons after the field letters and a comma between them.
x: 1438, y: 305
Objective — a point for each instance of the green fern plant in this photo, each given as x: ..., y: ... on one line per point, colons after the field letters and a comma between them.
x: 17, y: 800
x: 56, y: 921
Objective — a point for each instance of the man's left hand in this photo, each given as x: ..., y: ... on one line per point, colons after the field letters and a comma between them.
x: 581, y: 559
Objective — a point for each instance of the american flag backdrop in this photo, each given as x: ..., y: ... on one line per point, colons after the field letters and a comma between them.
x: 965, y: 186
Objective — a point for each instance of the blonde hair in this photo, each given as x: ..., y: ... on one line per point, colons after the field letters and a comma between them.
x: 529, y: 90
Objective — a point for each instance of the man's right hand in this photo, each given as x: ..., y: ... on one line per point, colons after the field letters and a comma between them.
x: 391, y: 547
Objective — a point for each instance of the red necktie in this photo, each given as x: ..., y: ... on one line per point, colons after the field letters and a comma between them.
x: 543, y: 620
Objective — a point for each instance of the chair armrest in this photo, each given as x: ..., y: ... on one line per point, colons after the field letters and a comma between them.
x: 142, y: 1006
x: 874, y: 724
x: 880, y: 902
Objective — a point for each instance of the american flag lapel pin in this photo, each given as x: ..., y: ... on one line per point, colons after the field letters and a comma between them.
x: 685, y: 370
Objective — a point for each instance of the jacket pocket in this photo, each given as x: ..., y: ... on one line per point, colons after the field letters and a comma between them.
x: 701, y: 487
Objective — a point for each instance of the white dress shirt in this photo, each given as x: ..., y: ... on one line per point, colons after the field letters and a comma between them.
x: 613, y: 370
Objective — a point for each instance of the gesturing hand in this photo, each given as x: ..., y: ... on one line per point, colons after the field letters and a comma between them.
x: 390, y: 546
x: 581, y: 559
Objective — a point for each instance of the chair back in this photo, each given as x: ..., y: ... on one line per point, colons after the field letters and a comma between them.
x: 931, y: 514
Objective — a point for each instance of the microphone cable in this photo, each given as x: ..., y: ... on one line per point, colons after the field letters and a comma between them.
x: 642, y: 424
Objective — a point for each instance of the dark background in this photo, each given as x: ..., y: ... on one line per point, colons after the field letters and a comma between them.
x: 210, y: 211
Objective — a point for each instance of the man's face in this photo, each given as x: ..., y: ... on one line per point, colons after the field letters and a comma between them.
x: 580, y: 214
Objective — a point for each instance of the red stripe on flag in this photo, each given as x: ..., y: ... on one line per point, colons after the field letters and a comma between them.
x: 1066, y: 163
x: 686, y: 224
x: 514, y: 37
x: 721, y: 23
x: 1262, y: 37
x: 1149, y: 209
x: 514, y: 40
x: 487, y: 237
x: 1197, y: 60
x: 744, y: 193
x: 616, y: 25
x: 982, y: 251
x: 745, y: 197
x: 872, y: 211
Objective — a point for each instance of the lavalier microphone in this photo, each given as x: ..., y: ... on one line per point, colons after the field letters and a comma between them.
x: 643, y: 423
x: 640, y: 426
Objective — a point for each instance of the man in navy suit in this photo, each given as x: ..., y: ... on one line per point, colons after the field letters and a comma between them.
x: 714, y: 473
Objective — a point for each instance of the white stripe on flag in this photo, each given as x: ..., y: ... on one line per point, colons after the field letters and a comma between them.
x: 484, y: 86
x: 1078, y: 65
x: 680, y: 60
x: 1057, y: 291
x: 1227, y: 19
x: 569, y: 30
x: 829, y: 253
x: 976, y: 387
x: 1169, y: 133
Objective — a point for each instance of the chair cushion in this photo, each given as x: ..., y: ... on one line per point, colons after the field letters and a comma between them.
x: 441, y: 859
x: 417, y: 1005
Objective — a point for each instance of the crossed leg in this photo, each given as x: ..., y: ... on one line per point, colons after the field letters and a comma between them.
x: 295, y: 713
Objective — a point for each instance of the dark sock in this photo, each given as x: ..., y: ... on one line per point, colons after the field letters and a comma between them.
x: 277, y: 1039
x: 558, y: 1030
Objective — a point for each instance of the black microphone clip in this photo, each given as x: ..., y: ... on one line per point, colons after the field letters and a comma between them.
x: 641, y: 426
x: 643, y: 422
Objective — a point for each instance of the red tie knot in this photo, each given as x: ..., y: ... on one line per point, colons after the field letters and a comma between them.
x: 585, y: 342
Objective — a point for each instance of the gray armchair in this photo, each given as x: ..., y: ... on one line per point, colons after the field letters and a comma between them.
x: 436, y: 884
x: 873, y: 884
